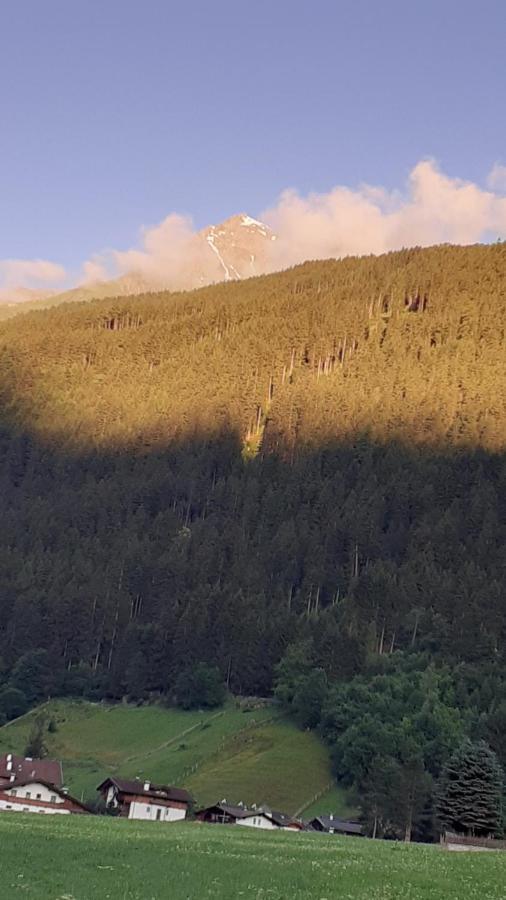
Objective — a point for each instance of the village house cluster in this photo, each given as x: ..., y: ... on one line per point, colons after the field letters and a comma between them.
x: 36, y: 786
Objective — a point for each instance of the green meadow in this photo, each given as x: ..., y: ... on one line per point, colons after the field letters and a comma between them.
x: 73, y: 858
x: 253, y: 756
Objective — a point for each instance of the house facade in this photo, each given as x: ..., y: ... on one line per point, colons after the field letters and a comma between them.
x: 145, y: 801
x: 224, y: 813
x: 37, y: 796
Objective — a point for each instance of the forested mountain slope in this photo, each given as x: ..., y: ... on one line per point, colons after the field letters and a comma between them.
x: 211, y: 475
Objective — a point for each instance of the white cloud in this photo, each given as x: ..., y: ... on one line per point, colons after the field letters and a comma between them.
x: 29, y: 279
x: 433, y: 208
x: 95, y: 269
x: 169, y: 254
x: 497, y: 178
x: 31, y: 273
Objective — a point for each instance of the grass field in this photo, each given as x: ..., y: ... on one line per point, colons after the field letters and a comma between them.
x: 254, y: 756
x: 72, y: 858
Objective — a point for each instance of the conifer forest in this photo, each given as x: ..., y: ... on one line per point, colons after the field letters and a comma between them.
x: 299, y: 480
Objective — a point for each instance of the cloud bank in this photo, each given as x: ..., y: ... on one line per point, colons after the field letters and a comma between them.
x: 22, y: 279
x: 431, y: 208
x: 170, y: 254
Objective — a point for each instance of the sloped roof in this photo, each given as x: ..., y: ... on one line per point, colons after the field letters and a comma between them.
x: 236, y: 811
x: 350, y: 826
x: 135, y: 786
x: 282, y: 819
x: 47, y: 770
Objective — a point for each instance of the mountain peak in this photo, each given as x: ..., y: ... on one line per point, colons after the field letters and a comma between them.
x: 234, y: 249
x: 239, y: 246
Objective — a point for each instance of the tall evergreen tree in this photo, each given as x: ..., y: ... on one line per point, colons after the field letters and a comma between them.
x: 470, y: 791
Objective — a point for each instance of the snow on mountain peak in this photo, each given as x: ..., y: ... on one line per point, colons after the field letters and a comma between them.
x: 247, y: 221
x: 239, y: 247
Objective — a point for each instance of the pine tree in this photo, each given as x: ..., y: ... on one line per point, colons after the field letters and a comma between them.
x: 470, y: 791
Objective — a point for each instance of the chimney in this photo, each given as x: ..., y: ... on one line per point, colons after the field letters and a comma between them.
x: 12, y: 777
x: 147, y: 785
x: 331, y: 817
x: 8, y: 765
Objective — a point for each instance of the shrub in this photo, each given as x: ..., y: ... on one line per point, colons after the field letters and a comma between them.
x: 200, y: 687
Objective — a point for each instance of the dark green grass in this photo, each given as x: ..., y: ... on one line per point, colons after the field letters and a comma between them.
x: 72, y: 858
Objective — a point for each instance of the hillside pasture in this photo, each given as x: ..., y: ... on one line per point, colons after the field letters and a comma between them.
x: 255, y: 756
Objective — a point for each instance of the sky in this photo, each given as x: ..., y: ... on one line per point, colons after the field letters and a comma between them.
x: 116, y: 114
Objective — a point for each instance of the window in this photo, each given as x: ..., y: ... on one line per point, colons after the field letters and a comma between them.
x: 53, y: 798
x: 8, y: 806
x: 28, y: 795
x: 38, y: 796
x: 158, y: 814
x: 148, y: 809
x: 14, y: 792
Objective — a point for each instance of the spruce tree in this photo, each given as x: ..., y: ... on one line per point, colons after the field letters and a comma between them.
x: 470, y: 792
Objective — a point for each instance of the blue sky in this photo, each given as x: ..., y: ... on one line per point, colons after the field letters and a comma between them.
x: 117, y: 112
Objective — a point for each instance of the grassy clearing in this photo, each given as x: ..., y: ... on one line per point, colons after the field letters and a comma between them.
x: 335, y: 800
x: 86, y: 858
x: 247, y: 756
x: 274, y: 763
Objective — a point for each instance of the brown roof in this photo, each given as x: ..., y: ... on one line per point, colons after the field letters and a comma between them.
x: 283, y: 820
x: 48, y: 770
x: 160, y: 791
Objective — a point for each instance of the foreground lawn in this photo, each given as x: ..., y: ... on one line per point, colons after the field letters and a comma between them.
x: 86, y: 859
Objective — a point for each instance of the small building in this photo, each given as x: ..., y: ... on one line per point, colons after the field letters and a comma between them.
x: 38, y: 796
x: 143, y: 800
x: 224, y: 813
x: 331, y: 824
x: 284, y: 821
x: 16, y: 768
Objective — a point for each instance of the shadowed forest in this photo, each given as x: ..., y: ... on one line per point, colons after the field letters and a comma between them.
x: 307, y: 466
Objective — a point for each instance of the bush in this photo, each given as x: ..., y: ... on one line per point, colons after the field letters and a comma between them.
x: 13, y: 703
x: 200, y: 687
x: 34, y: 675
x: 36, y: 747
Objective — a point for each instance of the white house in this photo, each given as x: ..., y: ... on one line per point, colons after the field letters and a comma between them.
x: 28, y: 795
x: 144, y: 800
x: 257, y: 819
x: 262, y: 817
